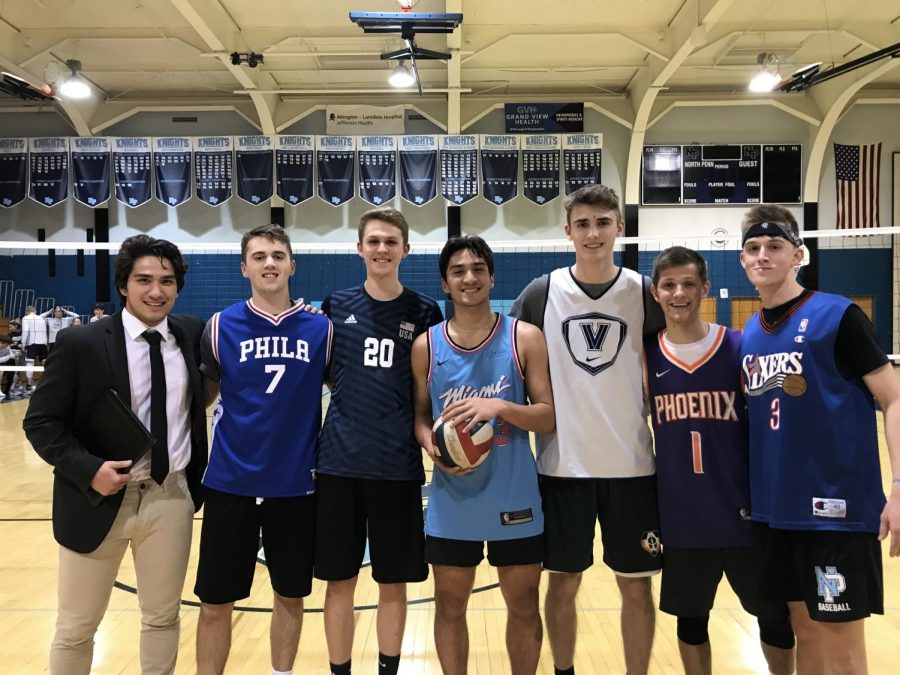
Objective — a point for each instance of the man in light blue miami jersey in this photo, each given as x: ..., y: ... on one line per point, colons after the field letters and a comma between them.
x: 481, y: 366
x: 267, y: 358
x: 369, y: 470
x: 811, y: 366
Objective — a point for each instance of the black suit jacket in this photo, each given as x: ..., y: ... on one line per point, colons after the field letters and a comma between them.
x: 86, y: 361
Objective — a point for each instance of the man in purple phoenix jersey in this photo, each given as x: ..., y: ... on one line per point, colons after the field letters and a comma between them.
x: 369, y: 468
x: 693, y: 382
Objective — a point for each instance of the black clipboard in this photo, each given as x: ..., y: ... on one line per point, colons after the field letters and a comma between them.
x: 112, y: 431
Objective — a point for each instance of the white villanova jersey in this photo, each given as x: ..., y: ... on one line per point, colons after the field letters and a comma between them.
x: 596, y: 363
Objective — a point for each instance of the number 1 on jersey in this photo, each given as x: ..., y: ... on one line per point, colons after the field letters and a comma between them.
x: 697, y: 451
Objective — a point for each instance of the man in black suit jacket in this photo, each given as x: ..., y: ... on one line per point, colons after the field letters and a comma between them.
x: 151, y: 359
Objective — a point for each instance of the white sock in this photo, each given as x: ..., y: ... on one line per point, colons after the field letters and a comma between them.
x: 283, y: 672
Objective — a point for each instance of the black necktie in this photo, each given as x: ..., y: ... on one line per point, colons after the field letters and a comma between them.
x: 159, y: 427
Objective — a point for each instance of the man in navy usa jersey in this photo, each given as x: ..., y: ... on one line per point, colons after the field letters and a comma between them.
x: 811, y: 366
x: 700, y: 432
x: 369, y: 471
x: 267, y: 358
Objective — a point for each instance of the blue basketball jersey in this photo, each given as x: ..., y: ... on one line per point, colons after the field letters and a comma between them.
x: 271, y: 370
x: 368, y: 431
x: 500, y: 499
x: 813, y: 442
x: 700, y: 432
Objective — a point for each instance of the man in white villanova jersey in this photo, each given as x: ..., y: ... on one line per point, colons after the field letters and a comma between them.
x: 369, y: 470
x: 598, y: 464
x: 267, y: 357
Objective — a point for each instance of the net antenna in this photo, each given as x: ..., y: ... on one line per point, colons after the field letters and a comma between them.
x: 408, y: 24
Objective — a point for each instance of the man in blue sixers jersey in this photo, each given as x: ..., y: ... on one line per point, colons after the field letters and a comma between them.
x: 811, y: 366
x: 483, y: 366
x: 702, y: 467
x: 369, y: 470
x: 267, y: 358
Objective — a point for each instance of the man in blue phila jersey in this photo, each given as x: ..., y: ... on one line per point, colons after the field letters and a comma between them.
x: 267, y: 358
x: 369, y: 472
x: 700, y: 431
x: 811, y: 366
x: 482, y: 366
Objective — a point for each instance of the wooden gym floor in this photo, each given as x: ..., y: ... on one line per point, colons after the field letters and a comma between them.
x: 28, y: 557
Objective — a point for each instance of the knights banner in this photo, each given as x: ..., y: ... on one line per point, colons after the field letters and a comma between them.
x: 253, y: 156
x: 49, y: 179
x: 540, y: 167
x: 213, y: 166
x: 377, y: 159
x: 459, y: 168
x: 132, y: 161
x: 294, y: 168
x: 499, y: 168
x: 581, y: 160
x: 90, y: 170
x: 13, y: 170
x: 418, y: 162
x: 335, y: 157
x: 172, y: 162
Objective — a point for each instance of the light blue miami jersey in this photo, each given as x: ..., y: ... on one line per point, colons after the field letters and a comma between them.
x: 270, y: 370
x: 500, y: 499
x: 813, y: 444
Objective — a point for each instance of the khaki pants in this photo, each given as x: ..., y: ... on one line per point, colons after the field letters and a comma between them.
x: 157, y: 521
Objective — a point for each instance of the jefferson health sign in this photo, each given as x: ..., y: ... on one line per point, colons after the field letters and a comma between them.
x: 541, y: 118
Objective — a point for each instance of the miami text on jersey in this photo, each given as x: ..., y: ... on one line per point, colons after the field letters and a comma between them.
x: 466, y: 391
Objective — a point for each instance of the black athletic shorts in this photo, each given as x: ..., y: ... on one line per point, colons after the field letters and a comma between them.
x: 629, y: 524
x: 387, y: 512
x: 230, y: 543
x: 36, y: 352
x: 690, y: 577
x: 501, y: 552
x: 837, y: 574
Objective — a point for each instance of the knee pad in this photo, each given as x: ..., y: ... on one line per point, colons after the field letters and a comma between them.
x: 693, y: 630
x: 776, y: 632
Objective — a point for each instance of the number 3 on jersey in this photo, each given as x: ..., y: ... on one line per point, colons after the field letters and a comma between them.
x: 378, y: 353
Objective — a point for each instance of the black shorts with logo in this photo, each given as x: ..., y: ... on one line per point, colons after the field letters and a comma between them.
x: 629, y: 524
x: 501, y: 552
x: 837, y: 574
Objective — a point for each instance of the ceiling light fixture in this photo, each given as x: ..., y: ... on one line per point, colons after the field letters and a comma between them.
x: 769, y: 75
x: 402, y: 77
x: 74, y: 86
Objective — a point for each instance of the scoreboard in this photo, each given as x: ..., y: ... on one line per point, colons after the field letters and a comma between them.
x: 720, y: 174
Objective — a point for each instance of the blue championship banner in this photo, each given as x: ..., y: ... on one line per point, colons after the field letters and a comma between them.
x: 499, y: 168
x: 132, y: 160
x: 418, y: 162
x: 172, y: 162
x: 213, y: 166
x: 459, y: 168
x: 294, y: 168
x: 13, y: 171
x: 581, y: 160
x: 90, y: 170
x: 377, y: 159
x: 253, y: 156
x: 540, y: 168
x: 49, y: 179
x: 335, y: 157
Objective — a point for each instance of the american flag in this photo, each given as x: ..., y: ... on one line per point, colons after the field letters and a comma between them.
x: 857, y: 170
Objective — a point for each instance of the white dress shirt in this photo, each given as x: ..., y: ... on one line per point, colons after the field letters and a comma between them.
x: 178, y: 397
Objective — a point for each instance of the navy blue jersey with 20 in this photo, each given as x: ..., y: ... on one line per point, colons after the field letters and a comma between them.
x: 368, y: 430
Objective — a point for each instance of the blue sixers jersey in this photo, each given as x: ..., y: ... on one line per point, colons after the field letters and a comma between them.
x: 500, y: 499
x: 271, y: 370
x: 813, y: 443
x: 368, y: 431
x: 700, y: 432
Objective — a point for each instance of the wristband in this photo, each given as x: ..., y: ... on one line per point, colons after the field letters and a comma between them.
x: 895, y: 481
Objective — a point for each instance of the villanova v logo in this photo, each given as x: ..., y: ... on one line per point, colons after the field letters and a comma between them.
x: 594, y: 340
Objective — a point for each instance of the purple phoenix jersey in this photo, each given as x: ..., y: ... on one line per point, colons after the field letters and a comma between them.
x: 700, y: 431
